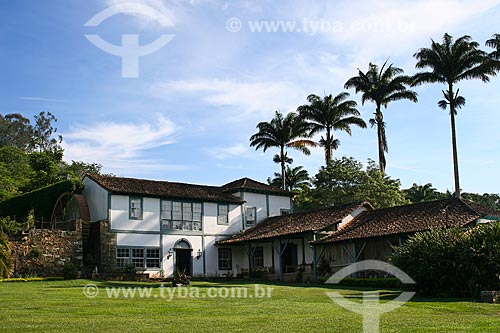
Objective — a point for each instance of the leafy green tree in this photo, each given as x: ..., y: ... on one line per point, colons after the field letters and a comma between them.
x: 281, y: 132
x: 45, y: 166
x: 15, y: 131
x: 79, y: 169
x: 15, y: 171
x: 381, y: 190
x: 296, y: 179
x: 486, y: 199
x: 450, y: 62
x: 381, y: 85
x: 43, y: 131
x: 422, y: 193
x: 346, y: 181
x: 331, y: 114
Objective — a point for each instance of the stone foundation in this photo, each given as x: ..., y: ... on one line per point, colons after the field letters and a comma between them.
x: 42, y: 252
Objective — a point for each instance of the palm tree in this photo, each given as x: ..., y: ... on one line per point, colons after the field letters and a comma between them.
x: 4, y: 256
x: 282, y: 132
x: 295, y: 179
x: 330, y: 114
x: 494, y: 42
x: 422, y: 193
x: 450, y: 62
x: 381, y: 86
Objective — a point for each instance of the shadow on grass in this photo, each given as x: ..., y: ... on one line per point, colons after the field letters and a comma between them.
x: 385, y: 294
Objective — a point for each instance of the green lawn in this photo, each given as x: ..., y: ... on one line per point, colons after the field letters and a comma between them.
x: 60, y: 306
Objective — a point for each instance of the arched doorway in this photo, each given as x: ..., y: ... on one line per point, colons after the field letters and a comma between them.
x: 183, y: 257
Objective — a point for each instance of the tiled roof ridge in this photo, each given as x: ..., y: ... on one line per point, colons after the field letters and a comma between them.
x: 94, y: 176
x: 368, y: 221
x: 280, y: 224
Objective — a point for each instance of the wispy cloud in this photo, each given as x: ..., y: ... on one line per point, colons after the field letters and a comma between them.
x: 120, y: 146
x: 238, y: 150
x: 148, y: 13
x: 261, y: 98
x: 41, y: 99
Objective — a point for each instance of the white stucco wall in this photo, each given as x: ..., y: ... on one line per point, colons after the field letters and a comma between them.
x: 266, y: 205
x: 97, y: 200
x: 210, y: 226
x: 276, y: 203
x: 168, y: 243
x: 119, y: 214
x: 137, y: 240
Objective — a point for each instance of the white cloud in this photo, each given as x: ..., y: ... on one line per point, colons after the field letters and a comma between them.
x: 364, y: 31
x: 148, y: 13
x: 238, y: 150
x: 119, y: 146
x: 261, y: 98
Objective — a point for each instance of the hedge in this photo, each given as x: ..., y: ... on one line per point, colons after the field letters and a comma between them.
x: 41, y: 201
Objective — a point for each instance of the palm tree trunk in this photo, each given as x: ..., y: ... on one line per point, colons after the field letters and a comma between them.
x: 328, y: 147
x: 380, y: 123
x: 454, y: 141
x: 282, y: 152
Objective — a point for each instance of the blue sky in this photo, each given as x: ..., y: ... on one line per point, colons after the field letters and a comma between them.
x: 189, y: 113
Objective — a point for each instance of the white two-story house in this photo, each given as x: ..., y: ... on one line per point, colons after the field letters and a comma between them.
x: 161, y: 227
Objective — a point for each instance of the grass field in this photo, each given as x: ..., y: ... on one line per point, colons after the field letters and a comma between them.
x: 60, y: 306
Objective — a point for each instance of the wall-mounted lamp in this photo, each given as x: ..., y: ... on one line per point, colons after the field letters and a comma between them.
x: 199, y: 254
x: 169, y: 254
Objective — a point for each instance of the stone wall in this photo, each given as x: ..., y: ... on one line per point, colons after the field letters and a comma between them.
x: 101, y: 251
x: 44, y: 252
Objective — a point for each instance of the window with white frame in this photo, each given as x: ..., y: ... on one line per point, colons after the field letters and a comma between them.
x: 258, y: 257
x: 251, y: 215
x: 222, y: 214
x: 152, y: 258
x: 137, y: 257
x: 225, y: 262
x: 178, y: 215
x: 122, y: 257
x: 135, y: 208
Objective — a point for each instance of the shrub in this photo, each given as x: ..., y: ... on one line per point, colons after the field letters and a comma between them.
x: 9, y: 226
x: 450, y: 260
x: 484, y: 256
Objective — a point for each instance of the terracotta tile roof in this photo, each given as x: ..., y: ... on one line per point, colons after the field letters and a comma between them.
x: 163, y: 189
x: 252, y: 185
x: 411, y: 218
x: 295, y: 223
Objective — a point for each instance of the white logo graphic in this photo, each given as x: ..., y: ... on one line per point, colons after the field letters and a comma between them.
x: 130, y: 50
x: 370, y: 309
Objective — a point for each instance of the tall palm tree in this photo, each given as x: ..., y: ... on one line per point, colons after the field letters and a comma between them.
x: 4, y: 256
x: 494, y: 43
x: 330, y: 114
x: 381, y: 85
x: 295, y: 179
x: 450, y: 62
x: 282, y: 132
